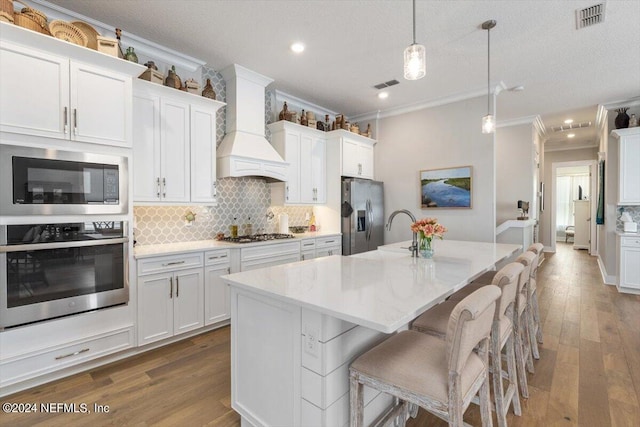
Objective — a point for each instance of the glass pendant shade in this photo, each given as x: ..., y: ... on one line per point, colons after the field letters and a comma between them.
x: 415, y: 62
x: 488, y: 124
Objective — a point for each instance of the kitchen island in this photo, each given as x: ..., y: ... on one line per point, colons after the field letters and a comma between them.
x: 295, y: 328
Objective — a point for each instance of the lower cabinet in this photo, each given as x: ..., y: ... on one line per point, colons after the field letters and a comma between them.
x: 328, y: 245
x: 170, y: 302
x: 216, y: 292
x: 629, y: 268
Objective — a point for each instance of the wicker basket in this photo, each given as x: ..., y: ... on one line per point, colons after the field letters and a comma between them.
x: 90, y: 32
x: 6, y: 6
x: 35, y: 14
x: 5, y: 17
x: 29, y: 23
x: 68, y: 32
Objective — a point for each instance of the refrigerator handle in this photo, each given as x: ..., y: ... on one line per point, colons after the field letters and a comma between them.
x: 369, y: 218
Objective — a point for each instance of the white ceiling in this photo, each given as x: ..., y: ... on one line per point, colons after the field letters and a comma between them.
x: 352, y: 45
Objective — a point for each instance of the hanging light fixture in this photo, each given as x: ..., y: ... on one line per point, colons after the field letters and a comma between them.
x: 415, y: 61
x: 488, y: 121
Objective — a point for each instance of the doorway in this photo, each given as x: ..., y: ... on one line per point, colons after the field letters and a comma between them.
x: 573, y: 190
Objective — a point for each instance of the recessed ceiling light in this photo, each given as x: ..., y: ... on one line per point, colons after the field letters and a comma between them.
x: 571, y: 135
x: 297, y: 47
x: 568, y: 121
x: 383, y: 95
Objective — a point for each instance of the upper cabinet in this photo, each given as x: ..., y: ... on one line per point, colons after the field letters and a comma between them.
x: 52, y: 88
x: 628, y: 161
x: 305, y: 150
x: 356, y: 153
x: 174, y: 148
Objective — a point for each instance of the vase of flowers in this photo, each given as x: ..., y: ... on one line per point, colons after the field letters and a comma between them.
x: 427, y: 229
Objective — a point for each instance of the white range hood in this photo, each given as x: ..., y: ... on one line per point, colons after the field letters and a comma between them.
x: 245, y: 151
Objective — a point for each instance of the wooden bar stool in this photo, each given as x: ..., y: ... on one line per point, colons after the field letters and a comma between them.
x: 524, y: 358
x: 536, y: 248
x: 441, y: 376
x: 433, y: 322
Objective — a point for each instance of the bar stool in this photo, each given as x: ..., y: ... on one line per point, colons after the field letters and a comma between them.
x: 441, y: 376
x: 502, y: 337
x: 533, y: 298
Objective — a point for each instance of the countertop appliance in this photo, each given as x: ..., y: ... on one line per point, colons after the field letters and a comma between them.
x: 56, y: 269
x: 38, y: 181
x: 362, y: 213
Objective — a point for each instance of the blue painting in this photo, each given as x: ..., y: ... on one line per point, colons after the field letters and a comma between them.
x: 446, y: 188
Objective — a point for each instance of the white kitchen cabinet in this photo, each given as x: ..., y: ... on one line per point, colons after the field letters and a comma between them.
x: 170, y: 296
x: 174, y: 146
x: 269, y: 255
x: 356, y: 154
x: 328, y: 245
x: 305, y: 150
x: 628, y: 161
x: 49, y: 95
x: 629, y: 264
x: 307, y: 249
x: 216, y: 292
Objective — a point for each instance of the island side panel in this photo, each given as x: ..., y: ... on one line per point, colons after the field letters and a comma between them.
x: 265, y: 360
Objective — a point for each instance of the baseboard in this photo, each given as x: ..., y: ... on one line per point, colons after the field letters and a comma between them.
x: 628, y: 291
x: 607, y: 279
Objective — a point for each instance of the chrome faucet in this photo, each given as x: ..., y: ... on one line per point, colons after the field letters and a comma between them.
x: 414, y: 243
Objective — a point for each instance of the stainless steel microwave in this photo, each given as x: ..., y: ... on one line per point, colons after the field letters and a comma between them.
x: 38, y: 181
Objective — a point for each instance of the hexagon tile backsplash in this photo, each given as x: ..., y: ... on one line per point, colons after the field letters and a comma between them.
x: 240, y: 200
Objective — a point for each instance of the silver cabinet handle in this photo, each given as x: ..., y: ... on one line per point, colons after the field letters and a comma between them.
x: 64, y: 356
x: 329, y: 241
x: 164, y: 187
x: 228, y: 270
x: 177, y: 287
x: 215, y: 191
x: 302, y: 256
x: 75, y: 121
x: 66, y: 121
x: 170, y: 287
x: 287, y: 192
x: 166, y: 264
x: 218, y: 256
x: 330, y: 252
x: 158, y: 187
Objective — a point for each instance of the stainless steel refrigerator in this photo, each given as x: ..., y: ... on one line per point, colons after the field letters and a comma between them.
x: 362, y: 213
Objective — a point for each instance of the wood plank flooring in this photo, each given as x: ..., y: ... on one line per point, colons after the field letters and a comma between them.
x: 588, y: 374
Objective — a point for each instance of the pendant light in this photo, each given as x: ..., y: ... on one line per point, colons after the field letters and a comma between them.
x: 415, y: 61
x: 488, y: 121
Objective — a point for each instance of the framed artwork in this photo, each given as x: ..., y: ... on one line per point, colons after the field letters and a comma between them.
x: 446, y: 188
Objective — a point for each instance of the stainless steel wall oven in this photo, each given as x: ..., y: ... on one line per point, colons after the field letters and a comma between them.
x: 53, y: 270
x: 38, y: 181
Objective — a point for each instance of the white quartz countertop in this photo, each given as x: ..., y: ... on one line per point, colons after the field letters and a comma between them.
x: 383, y: 289
x: 145, y: 251
x: 627, y: 233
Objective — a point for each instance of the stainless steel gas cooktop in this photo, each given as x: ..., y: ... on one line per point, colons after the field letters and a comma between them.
x: 258, y: 238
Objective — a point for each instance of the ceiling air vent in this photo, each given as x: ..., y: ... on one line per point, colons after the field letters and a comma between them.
x: 387, y: 84
x: 590, y: 16
x: 570, y: 126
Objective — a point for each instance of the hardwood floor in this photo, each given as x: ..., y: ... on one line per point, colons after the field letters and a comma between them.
x: 588, y: 374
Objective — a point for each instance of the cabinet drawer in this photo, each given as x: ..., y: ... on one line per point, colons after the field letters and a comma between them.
x: 630, y: 242
x: 270, y: 250
x: 325, y: 242
x: 308, y: 244
x: 169, y: 263
x: 217, y: 257
x: 38, y: 363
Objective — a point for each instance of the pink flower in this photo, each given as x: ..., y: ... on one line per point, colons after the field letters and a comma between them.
x: 429, y: 228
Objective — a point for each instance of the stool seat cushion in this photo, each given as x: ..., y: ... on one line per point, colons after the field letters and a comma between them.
x: 436, y: 319
x: 417, y: 362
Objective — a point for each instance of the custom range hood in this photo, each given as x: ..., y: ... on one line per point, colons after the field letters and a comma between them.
x: 245, y: 151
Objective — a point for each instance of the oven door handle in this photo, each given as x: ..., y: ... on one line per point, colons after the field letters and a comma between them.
x: 58, y: 245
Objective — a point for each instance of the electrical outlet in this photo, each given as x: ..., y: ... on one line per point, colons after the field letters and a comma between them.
x: 310, y: 343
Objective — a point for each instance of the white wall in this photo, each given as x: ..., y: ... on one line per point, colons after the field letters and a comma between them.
x: 439, y: 137
x: 546, y: 234
x: 515, y: 166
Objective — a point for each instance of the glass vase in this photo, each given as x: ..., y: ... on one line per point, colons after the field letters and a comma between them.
x: 425, y: 248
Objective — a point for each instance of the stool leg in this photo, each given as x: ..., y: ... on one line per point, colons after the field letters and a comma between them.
x: 356, y: 400
x: 536, y: 317
x: 512, y: 375
x: 533, y: 331
x: 520, y: 363
x: 498, y: 389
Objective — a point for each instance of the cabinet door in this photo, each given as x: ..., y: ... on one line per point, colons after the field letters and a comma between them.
x: 307, y: 189
x: 146, y: 148
x: 328, y: 251
x: 319, y: 170
x: 365, y: 162
x: 292, y: 150
x: 350, y: 162
x: 630, y: 268
x: 629, y: 183
x: 155, y: 307
x: 100, y: 105
x: 203, y: 154
x: 174, y: 151
x: 188, y: 301
x: 306, y: 255
x: 216, y: 294
x: 34, y: 92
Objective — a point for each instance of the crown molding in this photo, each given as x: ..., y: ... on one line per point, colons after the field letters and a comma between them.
x: 630, y: 102
x: 294, y: 100
x: 143, y: 46
x: 601, y: 117
x: 570, y: 147
x: 527, y: 120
